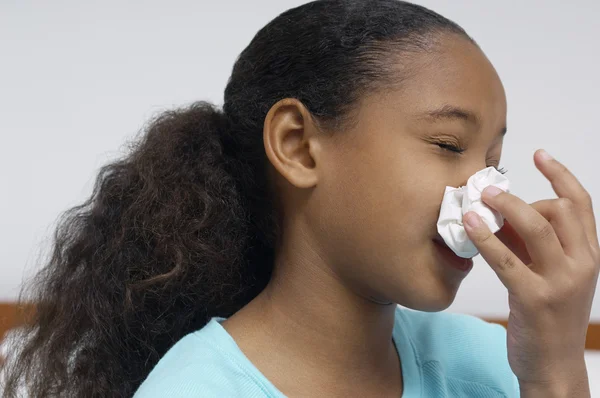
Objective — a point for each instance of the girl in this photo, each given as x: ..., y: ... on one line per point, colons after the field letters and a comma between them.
x: 260, y: 250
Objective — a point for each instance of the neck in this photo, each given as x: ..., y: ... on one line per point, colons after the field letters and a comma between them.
x: 306, y: 312
x: 315, y: 309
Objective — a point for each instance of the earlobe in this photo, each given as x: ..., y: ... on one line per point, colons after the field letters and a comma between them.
x: 291, y: 142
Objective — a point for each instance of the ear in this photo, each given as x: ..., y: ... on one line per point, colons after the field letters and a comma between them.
x: 292, y: 143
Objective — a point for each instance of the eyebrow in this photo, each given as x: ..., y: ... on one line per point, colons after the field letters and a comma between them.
x: 451, y: 112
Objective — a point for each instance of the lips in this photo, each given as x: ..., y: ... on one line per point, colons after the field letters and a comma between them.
x: 438, y: 238
x: 463, y: 264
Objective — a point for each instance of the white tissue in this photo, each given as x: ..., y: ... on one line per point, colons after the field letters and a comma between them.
x: 458, y: 201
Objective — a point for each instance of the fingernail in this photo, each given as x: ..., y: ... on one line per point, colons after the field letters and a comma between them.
x: 472, y: 220
x: 545, y: 155
x: 492, y: 191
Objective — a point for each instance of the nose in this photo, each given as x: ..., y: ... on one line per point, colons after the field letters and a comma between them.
x: 467, y: 172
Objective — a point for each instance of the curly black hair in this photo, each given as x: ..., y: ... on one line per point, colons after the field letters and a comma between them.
x: 185, y: 227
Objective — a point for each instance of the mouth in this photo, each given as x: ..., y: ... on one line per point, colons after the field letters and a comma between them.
x: 450, y: 258
x: 438, y: 238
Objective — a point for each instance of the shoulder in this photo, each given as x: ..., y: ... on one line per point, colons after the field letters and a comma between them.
x: 203, y: 363
x: 461, y: 349
x: 436, y: 332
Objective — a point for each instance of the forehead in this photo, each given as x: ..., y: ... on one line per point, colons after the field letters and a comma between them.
x: 456, y: 72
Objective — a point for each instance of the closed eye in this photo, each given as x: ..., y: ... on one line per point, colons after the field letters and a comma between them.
x: 458, y: 150
x: 450, y: 147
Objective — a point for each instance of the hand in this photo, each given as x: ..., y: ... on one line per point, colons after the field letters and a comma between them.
x: 548, y: 257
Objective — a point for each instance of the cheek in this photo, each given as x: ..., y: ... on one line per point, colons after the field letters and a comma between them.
x: 391, y: 206
x: 419, y: 207
x: 384, y: 196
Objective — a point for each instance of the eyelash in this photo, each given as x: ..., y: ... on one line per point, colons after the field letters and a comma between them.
x: 451, y: 148
x: 459, y: 150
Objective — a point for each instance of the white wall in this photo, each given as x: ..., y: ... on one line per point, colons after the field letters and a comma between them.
x: 79, y: 78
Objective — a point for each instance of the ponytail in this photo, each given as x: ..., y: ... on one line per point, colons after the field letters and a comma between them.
x: 162, y: 245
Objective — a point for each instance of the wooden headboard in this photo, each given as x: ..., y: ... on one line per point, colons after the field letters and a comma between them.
x: 10, y: 318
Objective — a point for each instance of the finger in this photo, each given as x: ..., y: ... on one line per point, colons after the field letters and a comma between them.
x: 563, y: 217
x: 514, y: 242
x: 505, y: 263
x: 537, y: 233
x: 566, y: 185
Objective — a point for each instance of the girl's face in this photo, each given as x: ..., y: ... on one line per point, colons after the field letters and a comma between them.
x: 381, y: 185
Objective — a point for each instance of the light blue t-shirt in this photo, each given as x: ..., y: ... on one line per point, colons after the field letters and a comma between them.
x: 442, y: 355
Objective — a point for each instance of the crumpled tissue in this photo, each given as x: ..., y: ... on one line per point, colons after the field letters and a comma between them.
x: 458, y: 201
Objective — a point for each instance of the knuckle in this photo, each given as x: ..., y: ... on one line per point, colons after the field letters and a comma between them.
x: 586, y: 198
x: 591, y: 273
x: 594, y: 259
x: 560, y: 295
x: 567, y: 287
x: 596, y: 256
x: 563, y: 170
x: 552, y: 299
x: 507, y: 261
x: 484, y: 237
x: 543, y: 231
x: 566, y: 205
x: 541, y: 297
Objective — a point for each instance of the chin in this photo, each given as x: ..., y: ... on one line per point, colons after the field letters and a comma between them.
x: 434, y: 305
x: 435, y: 296
x: 429, y: 285
x: 426, y: 299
